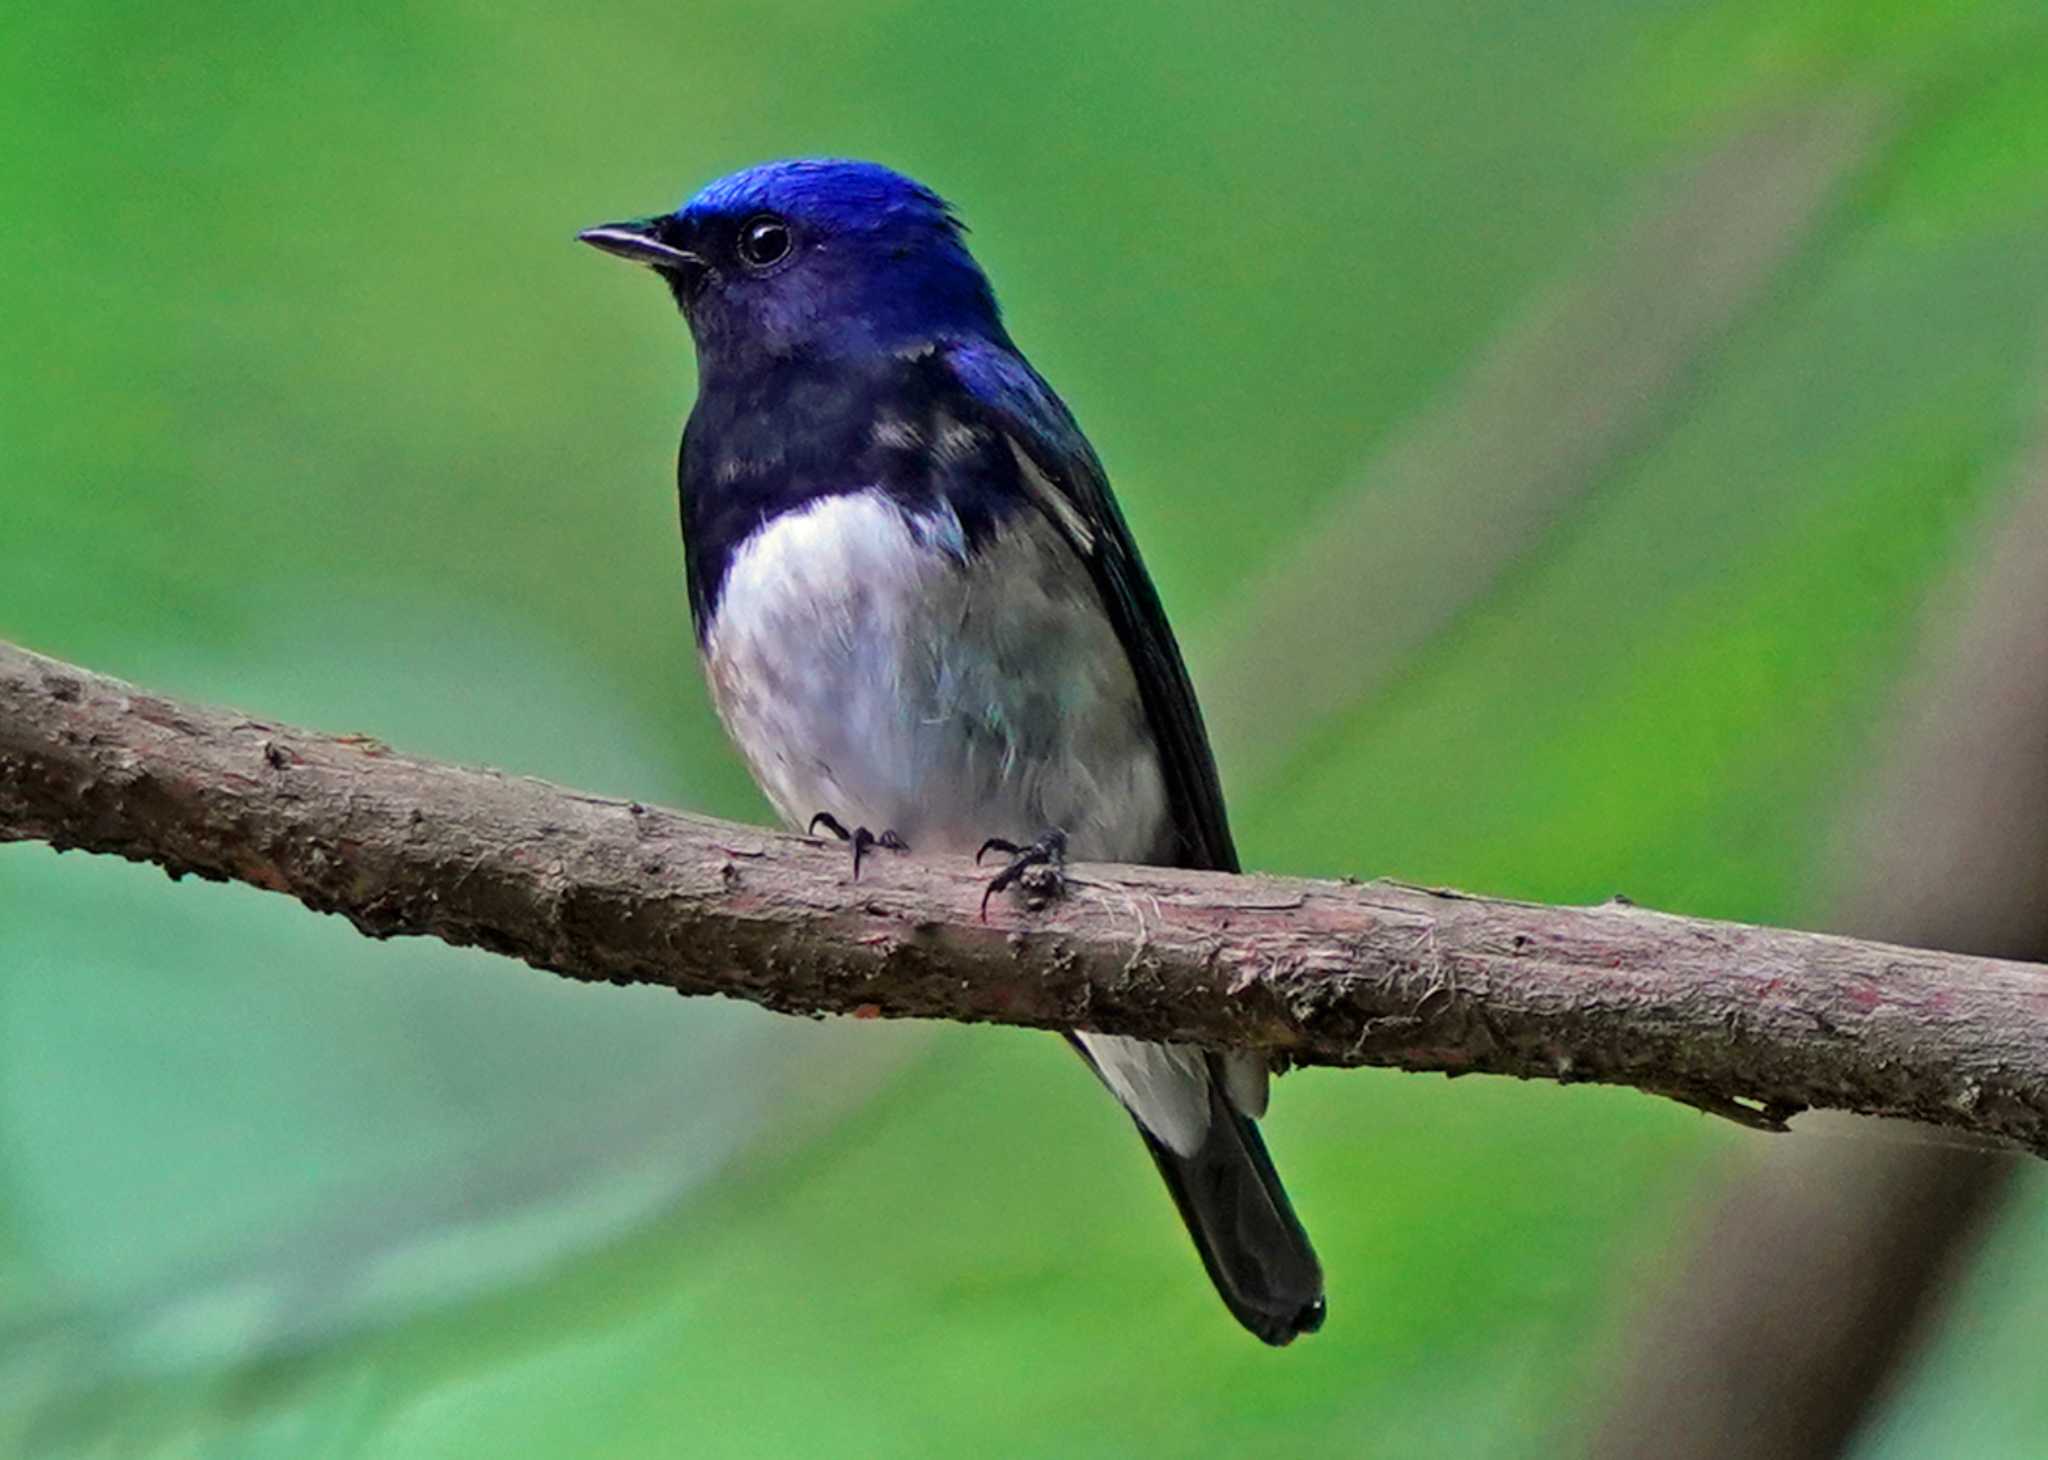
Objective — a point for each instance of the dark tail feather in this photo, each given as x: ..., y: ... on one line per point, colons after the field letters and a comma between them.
x: 1249, y: 1238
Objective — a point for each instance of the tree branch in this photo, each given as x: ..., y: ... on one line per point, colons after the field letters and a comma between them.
x: 1750, y: 1023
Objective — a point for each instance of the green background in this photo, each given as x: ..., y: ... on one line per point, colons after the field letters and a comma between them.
x: 311, y: 406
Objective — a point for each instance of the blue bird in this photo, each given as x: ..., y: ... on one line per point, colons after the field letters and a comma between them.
x: 923, y: 618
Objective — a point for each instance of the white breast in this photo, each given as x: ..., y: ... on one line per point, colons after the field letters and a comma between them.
x: 867, y: 666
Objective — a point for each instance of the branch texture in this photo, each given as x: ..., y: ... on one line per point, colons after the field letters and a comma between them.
x: 1750, y: 1023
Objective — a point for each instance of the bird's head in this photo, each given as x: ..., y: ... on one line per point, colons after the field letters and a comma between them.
x: 811, y: 258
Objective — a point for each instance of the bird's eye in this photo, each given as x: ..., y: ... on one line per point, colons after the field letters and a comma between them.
x: 763, y: 241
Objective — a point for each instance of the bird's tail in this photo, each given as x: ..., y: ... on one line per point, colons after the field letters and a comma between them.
x: 1236, y: 1210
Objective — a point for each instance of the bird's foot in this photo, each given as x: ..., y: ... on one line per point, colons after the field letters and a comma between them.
x: 860, y: 836
x: 1048, y: 854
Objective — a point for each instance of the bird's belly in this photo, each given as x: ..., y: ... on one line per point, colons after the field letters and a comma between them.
x: 866, y: 665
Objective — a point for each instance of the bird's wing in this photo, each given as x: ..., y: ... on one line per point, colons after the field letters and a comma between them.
x: 1059, y: 472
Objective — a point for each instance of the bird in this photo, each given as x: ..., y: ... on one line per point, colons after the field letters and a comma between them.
x: 925, y: 624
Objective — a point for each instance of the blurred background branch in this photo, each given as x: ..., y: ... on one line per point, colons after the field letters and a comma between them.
x: 1751, y: 1024
x: 1824, y: 1262
x: 1550, y: 408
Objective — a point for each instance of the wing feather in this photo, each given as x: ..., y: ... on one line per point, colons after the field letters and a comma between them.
x: 1059, y: 472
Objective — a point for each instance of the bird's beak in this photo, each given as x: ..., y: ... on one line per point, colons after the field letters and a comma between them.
x: 636, y: 242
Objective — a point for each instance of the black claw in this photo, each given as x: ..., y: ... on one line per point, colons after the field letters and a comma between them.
x: 860, y: 836
x: 1050, y: 850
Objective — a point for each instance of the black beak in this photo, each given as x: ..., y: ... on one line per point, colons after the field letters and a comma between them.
x: 635, y: 241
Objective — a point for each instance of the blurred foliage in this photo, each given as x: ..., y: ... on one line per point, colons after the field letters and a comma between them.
x: 313, y: 408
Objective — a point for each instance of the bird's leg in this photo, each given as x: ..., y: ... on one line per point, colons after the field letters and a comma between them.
x: 1049, y: 852
x: 860, y: 836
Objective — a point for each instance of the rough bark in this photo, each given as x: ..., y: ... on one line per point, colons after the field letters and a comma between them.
x: 1750, y: 1023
